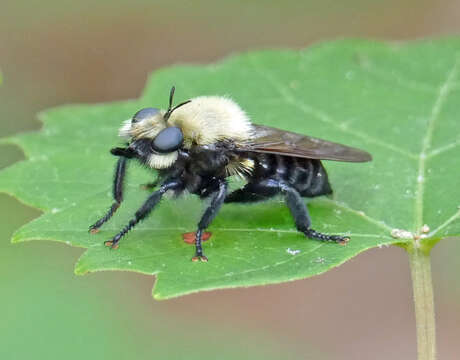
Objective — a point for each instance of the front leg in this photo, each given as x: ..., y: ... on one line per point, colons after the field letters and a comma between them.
x: 145, y: 209
x: 151, y: 185
x: 208, y: 216
x: 118, y: 179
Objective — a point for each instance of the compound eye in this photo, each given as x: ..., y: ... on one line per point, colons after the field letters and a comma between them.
x: 144, y: 114
x: 168, y: 140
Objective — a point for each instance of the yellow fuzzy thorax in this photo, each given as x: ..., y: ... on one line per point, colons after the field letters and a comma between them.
x: 208, y: 119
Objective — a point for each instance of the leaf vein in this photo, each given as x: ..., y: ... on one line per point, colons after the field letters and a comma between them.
x: 445, y: 224
x: 324, y: 117
x: 380, y: 223
x: 442, y: 149
x: 265, y: 267
x: 398, y: 78
x: 443, y: 92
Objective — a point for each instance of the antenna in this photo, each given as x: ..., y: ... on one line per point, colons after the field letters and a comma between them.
x: 171, y: 96
x: 170, y: 110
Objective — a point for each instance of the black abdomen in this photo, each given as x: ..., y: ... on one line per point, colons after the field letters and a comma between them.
x: 307, y: 176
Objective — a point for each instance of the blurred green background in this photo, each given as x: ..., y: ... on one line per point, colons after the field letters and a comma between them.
x: 56, y: 52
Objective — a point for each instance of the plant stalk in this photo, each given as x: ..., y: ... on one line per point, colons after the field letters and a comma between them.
x: 420, y: 264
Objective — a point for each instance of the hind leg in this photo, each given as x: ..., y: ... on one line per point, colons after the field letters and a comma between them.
x: 253, y: 192
x: 270, y: 187
x: 244, y: 195
x: 302, y: 218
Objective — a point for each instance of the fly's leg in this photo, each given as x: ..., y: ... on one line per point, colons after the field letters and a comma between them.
x: 244, y: 195
x: 302, y: 218
x: 120, y: 171
x: 151, y: 185
x: 267, y: 188
x: 145, y: 210
x: 206, y: 219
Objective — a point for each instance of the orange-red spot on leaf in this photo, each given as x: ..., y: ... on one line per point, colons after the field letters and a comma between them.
x: 189, y: 237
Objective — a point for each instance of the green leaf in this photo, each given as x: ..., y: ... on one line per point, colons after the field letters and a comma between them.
x: 398, y: 101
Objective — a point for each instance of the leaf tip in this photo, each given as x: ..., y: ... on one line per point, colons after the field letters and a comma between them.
x: 157, y: 296
x: 161, y: 297
x: 80, y: 269
x: 17, y: 237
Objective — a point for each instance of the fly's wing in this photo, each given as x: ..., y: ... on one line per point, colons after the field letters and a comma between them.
x: 275, y: 141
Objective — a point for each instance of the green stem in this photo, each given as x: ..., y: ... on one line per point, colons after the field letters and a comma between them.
x: 420, y: 265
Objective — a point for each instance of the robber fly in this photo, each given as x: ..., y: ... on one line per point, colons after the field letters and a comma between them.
x: 197, y: 145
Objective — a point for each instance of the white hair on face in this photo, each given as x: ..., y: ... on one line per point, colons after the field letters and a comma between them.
x: 125, y: 130
x: 207, y: 119
x: 162, y: 161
